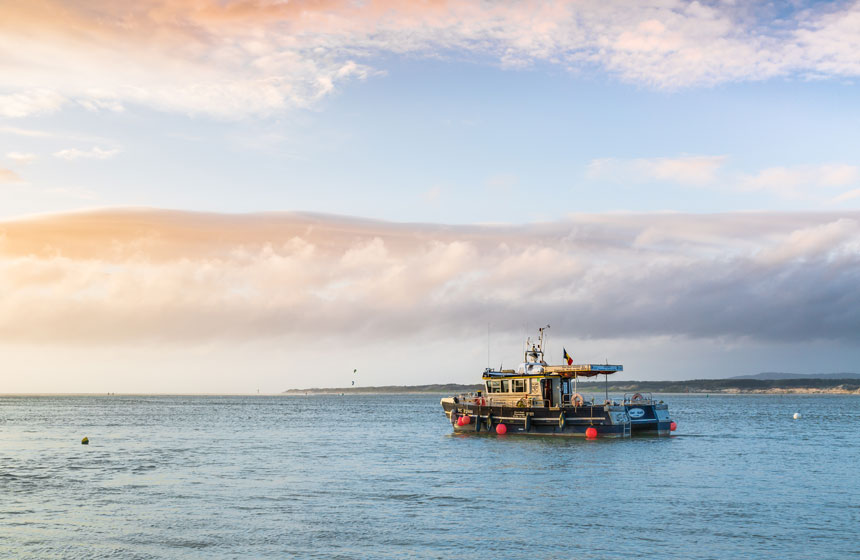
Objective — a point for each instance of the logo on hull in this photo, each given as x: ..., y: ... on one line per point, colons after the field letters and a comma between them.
x: 636, y: 413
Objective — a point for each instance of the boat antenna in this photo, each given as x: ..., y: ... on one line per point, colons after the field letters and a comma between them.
x: 488, y: 345
x: 541, y: 338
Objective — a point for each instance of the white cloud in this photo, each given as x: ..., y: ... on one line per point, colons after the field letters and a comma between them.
x: 71, y: 192
x: 815, y: 241
x: 684, y: 170
x: 25, y: 132
x: 848, y: 195
x: 95, y: 105
x: 232, y: 60
x: 71, y: 154
x: 797, y: 180
x: 21, y: 157
x: 31, y: 102
x: 690, y: 170
x: 806, y: 181
x: 829, y: 44
x: 432, y: 194
x: 502, y: 182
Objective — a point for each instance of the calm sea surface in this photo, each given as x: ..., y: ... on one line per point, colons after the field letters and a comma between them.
x: 383, y: 477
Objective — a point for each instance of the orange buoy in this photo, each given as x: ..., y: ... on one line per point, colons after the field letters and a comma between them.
x: 673, y: 426
x: 591, y: 433
x: 501, y: 429
x: 467, y: 420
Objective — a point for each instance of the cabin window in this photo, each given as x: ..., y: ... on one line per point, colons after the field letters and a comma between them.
x: 506, y: 386
x: 494, y: 387
x: 519, y: 385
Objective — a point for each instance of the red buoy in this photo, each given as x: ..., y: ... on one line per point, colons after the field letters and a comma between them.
x: 459, y: 420
x: 673, y: 426
x: 501, y: 429
x: 591, y: 433
x: 467, y: 420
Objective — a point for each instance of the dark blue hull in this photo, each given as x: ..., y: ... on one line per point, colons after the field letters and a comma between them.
x: 649, y: 418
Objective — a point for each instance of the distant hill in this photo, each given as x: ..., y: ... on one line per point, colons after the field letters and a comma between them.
x: 447, y: 388
x: 779, y: 375
x: 799, y: 384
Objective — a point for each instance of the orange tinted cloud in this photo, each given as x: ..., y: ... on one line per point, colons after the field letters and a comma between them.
x: 132, y: 276
x: 8, y: 176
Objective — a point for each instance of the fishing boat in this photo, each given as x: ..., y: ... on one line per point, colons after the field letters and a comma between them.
x: 541, y: 399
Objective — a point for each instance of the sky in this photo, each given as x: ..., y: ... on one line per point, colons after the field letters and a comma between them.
x: 232, y: 196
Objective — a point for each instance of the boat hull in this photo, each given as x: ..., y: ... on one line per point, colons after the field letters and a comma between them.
x: 609, y: 421
x: 649, y: 418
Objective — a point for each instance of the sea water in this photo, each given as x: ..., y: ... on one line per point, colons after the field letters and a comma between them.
x: 382, y: 476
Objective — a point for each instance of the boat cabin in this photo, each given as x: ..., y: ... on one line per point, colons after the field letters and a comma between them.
x: 534, y: 383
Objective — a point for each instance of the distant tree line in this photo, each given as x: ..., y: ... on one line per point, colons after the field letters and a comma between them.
x: 691, y: 386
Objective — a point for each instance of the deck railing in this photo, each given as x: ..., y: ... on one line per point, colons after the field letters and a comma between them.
x: 638, y: 398
x: 527, y: 401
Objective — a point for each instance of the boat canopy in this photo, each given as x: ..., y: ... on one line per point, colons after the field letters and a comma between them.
x: 576, y: 370
x: 584, y: 370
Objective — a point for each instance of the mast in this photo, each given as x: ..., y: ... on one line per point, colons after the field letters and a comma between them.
x: 541, y: 346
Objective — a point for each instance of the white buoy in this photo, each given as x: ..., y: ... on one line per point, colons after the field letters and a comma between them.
x: 796, y: 416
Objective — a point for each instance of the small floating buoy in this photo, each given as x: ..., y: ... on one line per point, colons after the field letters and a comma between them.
x: 460, y: 421
x: 501, y: 429
x: 467, y: 420
x: 85, y: 441
x: 796, y: 416
x: 591, y: 433
x: 673, y: 426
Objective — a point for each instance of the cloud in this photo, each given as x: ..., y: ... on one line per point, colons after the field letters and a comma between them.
x: 792, y: 181
x: 25, y: 132
x: 431, y: 195
x: 9, y: 176
x: 848, y: 195
x: 21, y: 157
x: 32, y: 102
x: 233, y: 59
x: 71, y: 154
x: 502, y: 182
x: 70, y: 192
x: 807, y: 181
x: 685, y: 170
x: 126, y: 277
x: 829, y: 43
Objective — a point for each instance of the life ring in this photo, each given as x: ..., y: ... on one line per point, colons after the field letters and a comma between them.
x: 561, y: 421
x: 480, y: 401
x: 577, y: 399
x: 521, y: 403
x: 637, y: 397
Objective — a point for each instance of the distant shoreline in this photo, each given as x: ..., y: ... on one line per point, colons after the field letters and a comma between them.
x: 696, y: 386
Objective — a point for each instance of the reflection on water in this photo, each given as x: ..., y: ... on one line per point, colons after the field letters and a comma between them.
x: 383, y: 477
